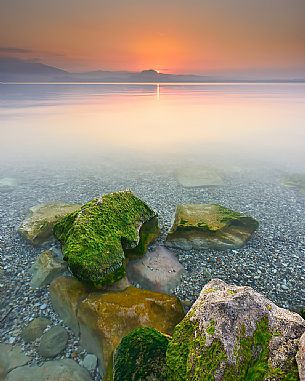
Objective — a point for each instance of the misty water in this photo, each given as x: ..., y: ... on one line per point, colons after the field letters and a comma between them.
x: 73, y: 142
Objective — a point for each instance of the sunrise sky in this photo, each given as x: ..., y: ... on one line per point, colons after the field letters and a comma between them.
x: 172, y: 36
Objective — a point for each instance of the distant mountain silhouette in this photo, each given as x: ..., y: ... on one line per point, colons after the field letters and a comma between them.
x: 18, y: 70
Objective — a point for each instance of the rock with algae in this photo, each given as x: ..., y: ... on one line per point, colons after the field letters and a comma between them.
x: 234, y: 333
x: 209, y: 226
x: 141, y: 356
x: 97, y: 238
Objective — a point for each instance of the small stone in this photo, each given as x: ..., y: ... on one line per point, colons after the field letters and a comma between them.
x: 43, y: 306
x: 90, y: 362
x: 35, y: 329
x: 53, y: 342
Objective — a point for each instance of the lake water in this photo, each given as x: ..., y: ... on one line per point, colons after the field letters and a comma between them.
x: 260, y: 125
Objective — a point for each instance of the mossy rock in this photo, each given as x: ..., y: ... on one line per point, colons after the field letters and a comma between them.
x: 234, y: 334
x: 209, y: 226
x: 97, y: 238
x: 141, y: 356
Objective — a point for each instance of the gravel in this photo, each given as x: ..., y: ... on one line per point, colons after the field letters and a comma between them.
x: 272, y: 262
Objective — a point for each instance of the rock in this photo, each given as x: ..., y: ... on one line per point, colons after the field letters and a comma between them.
x: 53, y: 342
x: 7, y: 184
x: 202, y: 226
x: 198, y: 176
x: 141, y: 355
x: 300, y: 358
x: 61, y: 370
x: 10, y: 358
x: 105, y: 318
x: 157, y: 271
x: 35, y: 329
x: 46, y: 268
x: 296, y: 181
x: 90, y: 362
x: 38, y: 226
x: 234, y: 333
x: 96, y: 239
x: 66, y: 293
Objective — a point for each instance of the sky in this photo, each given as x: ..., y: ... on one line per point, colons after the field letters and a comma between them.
x: 171, y: 36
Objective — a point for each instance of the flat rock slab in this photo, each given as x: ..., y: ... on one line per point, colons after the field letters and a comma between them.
x: 63, y: 370
x: 201, y: 226
x: 198, y: 176
x: 46, y: 268
x: 158, y: 271
x: 53, y: 342
x: 11, y: 357
x: 38, y: 226
x: 35, y: 329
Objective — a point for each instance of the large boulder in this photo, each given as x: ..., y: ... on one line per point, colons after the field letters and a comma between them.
x: 201, y: 226
x: 10, y: 358
x: 234, y: 333
x: 66, y: 293
x: 61, y: 370
x: 105, y: 318
x: 158, y: 271
x: 38, y: 226
x: 97, y: 238
x: 46, y: 268
x: 198, y: 176
x: 141, y: 356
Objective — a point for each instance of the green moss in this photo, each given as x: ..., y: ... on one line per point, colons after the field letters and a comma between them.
x: 141, y: 356
x: 190, y: 359
x: 95, y: 237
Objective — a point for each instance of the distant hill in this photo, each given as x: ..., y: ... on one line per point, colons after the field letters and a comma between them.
x: 18, y: 70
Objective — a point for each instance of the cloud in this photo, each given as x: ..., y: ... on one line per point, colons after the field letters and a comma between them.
x: 10, y: 49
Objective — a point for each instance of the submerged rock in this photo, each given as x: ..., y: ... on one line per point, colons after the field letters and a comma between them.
x: 38, y: 226
x: 198, y: 176
x: 234, y: 333
x: 7, y: 184
x: 209, y: 226
x: 53, y: 342
x: 296, y: 181
x: 10, y: 358
x: 158, y: 271
x: 46, y: 268
x: 35, y: 329
x: 96, y: 239
x: 105, y: 318
x: 90, y: 362
x: 141, y: 356
x: 63, y: 370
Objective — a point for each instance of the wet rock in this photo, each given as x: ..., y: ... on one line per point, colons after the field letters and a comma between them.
x: 201, y: 226
x: 7, y: 184
x: 35, y: 329
x: 233, y: 332
x: 141, y: 355
x: 63, y: 370
x: 300, y: 357
x: 90, y: 362
x: 66, y: 293
x: 96, y: 239
x: 105, y: 318
x: 38, y: 226
x: 158, y: 271
x: 198, y: 176
x: 10, y: 358
x: 46, y: 268
x: 53, y: 342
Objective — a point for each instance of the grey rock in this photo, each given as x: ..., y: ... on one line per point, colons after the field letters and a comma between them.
x: 35, y: 329
x: 300, y: 358
x: 198, y: 176
x: 90, y: 362
x: 158, y: 271
x: 53, y: 342
x: 201, y: 226
x: 7, y: 184
x: 46, y: 268
x: 61, y: 370
x: 10, y: 358
x: 229, y: 318
x: 38, y: 226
